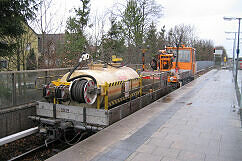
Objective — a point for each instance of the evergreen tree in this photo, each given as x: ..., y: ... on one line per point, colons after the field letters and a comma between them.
x: 136, y: 19
x: 31, y: 60
x: 133, y: 22
x: 12, y: 14
x: 113, y: 42
x: 152, y: 40
x: 162, y: 41
x: 75, y: 37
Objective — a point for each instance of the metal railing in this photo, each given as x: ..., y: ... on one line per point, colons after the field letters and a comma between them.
x: 200, y: 65
x: 204, y: 64
x: 143, y: 86
x: 19, y: 87
x: 23, y: 87
x: 238, y: 91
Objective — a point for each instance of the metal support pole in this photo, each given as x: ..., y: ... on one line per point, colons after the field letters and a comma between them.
x: 240, y: 104
x: 143, y: 59
x: 237, y: 62
x: 140, y: 85
x: 84, y: 115
x: 240, y: 95
x: 153, y: 81
x: 160, y: 80
x: 14, y: 89
x: 130, y: 89
x: 54, y: 108
x: 106, y: 96
x: 233, y: 52
x: 46, y: 75
x: 98, y: 99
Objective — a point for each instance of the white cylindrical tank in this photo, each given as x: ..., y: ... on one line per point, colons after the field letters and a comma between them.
x: 102, y: 75
x: 111, y: 74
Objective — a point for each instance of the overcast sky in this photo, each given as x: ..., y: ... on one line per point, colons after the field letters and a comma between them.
x: 205, y: 15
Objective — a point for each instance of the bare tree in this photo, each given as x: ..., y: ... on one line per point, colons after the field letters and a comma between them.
x: 151, y: 12
x: 46, y: 23
x: 180, y: 35
x: 97, y: 23
x: 204, y: 49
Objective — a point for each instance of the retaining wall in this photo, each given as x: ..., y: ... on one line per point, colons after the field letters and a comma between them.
x: 15, y: 119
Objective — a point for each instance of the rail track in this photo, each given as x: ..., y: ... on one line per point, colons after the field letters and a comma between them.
x: 203, y: 71
x: 33, y: 147
x: 31, y: 151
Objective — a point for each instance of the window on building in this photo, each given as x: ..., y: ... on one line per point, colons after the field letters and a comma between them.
x: 3, y: 64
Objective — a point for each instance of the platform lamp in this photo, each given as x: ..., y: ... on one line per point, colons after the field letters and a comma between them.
x: 237, y: 51
x: 234, y: 39
x: 233, y: 46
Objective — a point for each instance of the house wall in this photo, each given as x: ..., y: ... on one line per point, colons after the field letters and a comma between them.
x: 27, y: 41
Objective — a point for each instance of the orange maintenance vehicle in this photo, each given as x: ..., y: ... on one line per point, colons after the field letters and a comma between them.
x: 184, y: 68
x: 181, y: 70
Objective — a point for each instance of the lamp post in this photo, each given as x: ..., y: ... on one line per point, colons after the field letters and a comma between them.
x: 234, y: 39
x: 237, y: 50
x: 233, y: 46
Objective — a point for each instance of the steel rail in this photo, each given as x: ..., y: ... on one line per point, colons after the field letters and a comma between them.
x: 18, y: 135
x: 31, y: 151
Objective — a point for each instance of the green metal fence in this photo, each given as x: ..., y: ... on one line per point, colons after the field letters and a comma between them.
x: 19, y: 87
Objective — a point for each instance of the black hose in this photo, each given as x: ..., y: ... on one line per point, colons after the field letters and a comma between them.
x: 68, y: 79
x: 69, y: 141
x: 81, y: 76
x: 69, y: 75
x: 79, y: 139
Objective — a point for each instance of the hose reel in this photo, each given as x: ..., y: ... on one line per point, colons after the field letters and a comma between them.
x: 84, y: 91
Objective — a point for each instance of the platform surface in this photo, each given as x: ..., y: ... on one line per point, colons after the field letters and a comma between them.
x: 194, y: 123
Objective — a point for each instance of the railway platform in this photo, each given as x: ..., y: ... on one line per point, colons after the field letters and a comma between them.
x: 197, y: 122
